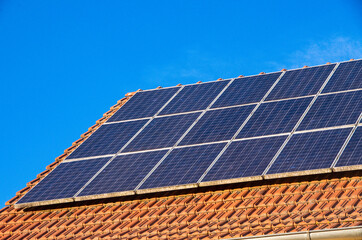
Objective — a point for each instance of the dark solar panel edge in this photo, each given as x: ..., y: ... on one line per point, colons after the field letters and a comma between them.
x: 189, y: 186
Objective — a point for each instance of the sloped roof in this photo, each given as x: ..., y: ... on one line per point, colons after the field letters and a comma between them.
x: 236, y: 210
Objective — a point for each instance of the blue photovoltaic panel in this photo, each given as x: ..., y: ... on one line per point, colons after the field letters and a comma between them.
x: 144, y: 104
x: 194, y: 97
x: 124, y: 173
x: 245, y: 158
x: 162, y: 132
x: 183, y: 166
x: 246, y: 90
x: 301, y: 82
x: 347, y: 76
x: 352, y: 154
x: 308, y: 151
x: 333, y: 110
x: 64, y: 181
x: 275, y: 117
x: 217, y: 125
x: 108, y: 139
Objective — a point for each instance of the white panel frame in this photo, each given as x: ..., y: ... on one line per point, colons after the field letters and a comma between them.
x: 299, y: 121
x: 183, y: 136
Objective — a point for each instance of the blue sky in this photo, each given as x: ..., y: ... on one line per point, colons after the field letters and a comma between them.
x: 64, y: 63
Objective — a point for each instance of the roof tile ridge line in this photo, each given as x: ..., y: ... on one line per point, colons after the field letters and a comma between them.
x: 255, y: 75
x: 241, y: 127
x: 61, y: 158
x: 185, y: 133
x: 300, y: 120
x: 346, y: 142
x: 81, y: 140
x: 191, y: 84
x: 124, y: 146
x: 95, y: 127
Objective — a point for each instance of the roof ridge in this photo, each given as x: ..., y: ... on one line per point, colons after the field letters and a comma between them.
x: 253, y: 75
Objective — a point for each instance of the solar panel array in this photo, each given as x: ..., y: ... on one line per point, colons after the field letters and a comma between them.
x: 293, y: 121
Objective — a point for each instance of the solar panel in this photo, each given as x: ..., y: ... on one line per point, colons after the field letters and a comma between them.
x: 245, y: 158
x: 169, y: 137
x: 183, y: 166
x: 108, y: 139
x: 194, y: 97
x: 162, y: 132
x: 144, y: 104
x: 246, y: 90
x: 333, y: 110
x: 347, y: 76
x: 308, y: 151
x: 275, y: 117
x: 217, y: 125
x: 64, y: 181
x: 352, y: 154
x: 301, y: 82
x: 124, y: 173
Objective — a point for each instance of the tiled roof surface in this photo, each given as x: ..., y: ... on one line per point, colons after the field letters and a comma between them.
x: 249, y: 210
x: 257, y: 208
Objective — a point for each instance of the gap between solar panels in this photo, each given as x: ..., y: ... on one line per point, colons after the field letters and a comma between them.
x: 289, y: 123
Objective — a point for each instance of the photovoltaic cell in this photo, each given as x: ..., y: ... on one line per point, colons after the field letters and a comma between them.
x: 352, y: 154
x: 144, y: 104
x: 301, y: 82
x: 246, y: 90
x: 64, y: 181
x: 347, y: 76
x: 194, y: 97
x: 217, y: 125
x: 162, y: 132
x: 183, y: 166
x: 108, y: 139
x: 333, y: 110
x: 245, y: 158
x: 124, y: 173
x: 308, y: 151
x: 275, y: 117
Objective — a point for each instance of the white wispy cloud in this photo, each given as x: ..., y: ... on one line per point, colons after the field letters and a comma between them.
x: 333, y: 50
x: 191, y: 67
